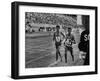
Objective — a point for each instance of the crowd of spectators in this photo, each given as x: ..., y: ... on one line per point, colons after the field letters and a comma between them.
x: 49, y: 18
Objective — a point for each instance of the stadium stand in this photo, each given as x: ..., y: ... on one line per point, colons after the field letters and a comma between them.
x: 48, y: 18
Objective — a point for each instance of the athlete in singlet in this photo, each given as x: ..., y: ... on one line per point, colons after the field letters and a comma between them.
x: 69, y: 40
x: 57, y: 38
x: 84, y: 41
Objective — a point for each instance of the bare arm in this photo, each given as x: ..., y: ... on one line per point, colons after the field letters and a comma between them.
x: 63, y: 35
x: 73, y: 40
x: 53, y: 36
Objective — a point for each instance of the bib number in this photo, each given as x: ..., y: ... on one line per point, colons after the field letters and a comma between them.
x: 58, y: 38
x: 68, y: 42
x: 86, y: 37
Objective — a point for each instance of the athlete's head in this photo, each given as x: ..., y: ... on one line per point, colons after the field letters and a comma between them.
x: 57, y: 27
x: 69, y: 29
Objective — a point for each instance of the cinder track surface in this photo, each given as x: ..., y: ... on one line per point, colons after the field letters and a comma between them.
x: 40, y: 52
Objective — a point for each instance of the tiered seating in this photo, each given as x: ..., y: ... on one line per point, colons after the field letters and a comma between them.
x: 47, y: 18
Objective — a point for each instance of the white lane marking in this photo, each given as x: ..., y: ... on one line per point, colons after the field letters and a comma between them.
x: 37, y: 58
x: 52, y: 53
x: 53, y: 63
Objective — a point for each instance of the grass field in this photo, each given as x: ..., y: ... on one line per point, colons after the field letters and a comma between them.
x: 40, y: 52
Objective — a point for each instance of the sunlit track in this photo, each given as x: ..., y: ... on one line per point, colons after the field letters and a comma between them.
x: 38, y: 58
x: 40, y: 52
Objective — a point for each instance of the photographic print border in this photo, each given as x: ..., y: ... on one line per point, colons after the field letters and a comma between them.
x: 15, y: 39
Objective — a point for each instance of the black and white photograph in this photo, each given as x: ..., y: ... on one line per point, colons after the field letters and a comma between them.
x: 51, y: 40
x: 54, y: 40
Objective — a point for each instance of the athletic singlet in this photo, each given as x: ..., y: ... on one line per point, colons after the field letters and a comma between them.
x: 69, y: 40
x: 57, y: 37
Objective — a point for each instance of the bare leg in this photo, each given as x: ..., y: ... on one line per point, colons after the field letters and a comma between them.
x: 56, y: 54
x: 59, y: 53
x: 71, y: 51
x: 66, y: 54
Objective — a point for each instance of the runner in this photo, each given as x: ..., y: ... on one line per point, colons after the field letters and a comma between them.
x: 84, y: 46
x: 68, y: 44
x: 57, y: 38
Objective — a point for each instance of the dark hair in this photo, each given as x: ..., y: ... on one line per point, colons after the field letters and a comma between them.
x: 69, y: 28
x: 57, y: 26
